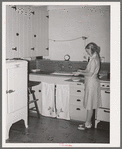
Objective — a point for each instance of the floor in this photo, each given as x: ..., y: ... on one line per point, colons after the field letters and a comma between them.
x: 52, y: 130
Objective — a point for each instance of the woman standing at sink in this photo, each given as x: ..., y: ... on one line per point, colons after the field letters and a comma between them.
x: 92, y: 94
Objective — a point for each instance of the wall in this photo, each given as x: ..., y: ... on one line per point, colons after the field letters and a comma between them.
x: 67, y: 25
x: 66, y: 66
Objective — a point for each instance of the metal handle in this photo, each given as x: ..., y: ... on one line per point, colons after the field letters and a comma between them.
x: 15, y: 48
x: 108, y: 92
x: 32, y: 49
x: 106, y: 111
x: 78, y: 100
x: 10, y: 91
x: 77, y: 108
x: 78, y: 90
x: 78, y: 84
x: 17, y: 34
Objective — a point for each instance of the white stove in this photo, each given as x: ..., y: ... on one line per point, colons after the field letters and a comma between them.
x: 103, y: 112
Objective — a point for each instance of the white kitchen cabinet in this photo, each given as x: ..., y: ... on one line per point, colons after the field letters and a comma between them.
x: 38, y: 42
x: 16, y: 93
x: 26, y: 31
x: 55, y: 85
x: 12, y: 34
x: 77, y: 111
x: 31, y: 31
x: 23, y: 30
x: 44, y: 31
x: 16, y: 31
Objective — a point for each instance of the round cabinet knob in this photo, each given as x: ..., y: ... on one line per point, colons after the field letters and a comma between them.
x: 17, y: 34
x: 39, y: 90
x: 78, y: 100
x: 78, y: 90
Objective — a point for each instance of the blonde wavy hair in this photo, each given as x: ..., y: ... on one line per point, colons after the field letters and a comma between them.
x: 94, y: 47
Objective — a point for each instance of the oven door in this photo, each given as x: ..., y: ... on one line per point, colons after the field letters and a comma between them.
x: 103, y: 115
x: 105, y: 96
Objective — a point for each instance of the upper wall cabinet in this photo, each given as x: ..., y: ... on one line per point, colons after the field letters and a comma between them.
x: 26, y: 31
x: 12, y: 34
x: 41, y: 33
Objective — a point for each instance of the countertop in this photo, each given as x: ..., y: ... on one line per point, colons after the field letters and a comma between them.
x: 102, y: 79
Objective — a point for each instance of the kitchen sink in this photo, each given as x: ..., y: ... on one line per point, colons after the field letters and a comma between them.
x: 63, y: 73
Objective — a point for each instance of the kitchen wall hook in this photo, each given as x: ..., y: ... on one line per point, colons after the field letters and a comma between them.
x: 84, y: 38
x: 15, y: 48
x: 47, y: 16
x: 17, y: 34
x: 32, y: 49
x: 14, y: 7
x: 10, y: 91
x: 33, y: 12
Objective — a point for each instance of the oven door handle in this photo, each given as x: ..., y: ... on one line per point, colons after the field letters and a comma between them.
x: 106, y: 111
x: 108, y: 92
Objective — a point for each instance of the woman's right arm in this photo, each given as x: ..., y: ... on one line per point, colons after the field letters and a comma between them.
x: 84, y: 71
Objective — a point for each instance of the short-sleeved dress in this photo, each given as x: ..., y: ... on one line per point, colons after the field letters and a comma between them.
x: 92, y: 94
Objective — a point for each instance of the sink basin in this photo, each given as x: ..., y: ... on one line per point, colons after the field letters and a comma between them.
x: 63, y: 73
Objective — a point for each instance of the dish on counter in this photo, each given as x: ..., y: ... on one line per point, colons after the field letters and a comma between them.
x: 35, y: 70
x: 75, y: 79
x: 62, y: 73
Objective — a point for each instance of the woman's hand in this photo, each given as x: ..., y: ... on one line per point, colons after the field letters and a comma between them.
x: 76, y: 73
x: 79, y: 70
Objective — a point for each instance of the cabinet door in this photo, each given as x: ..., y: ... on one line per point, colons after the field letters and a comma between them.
x: 32, y: 27
x: 25, y: 51
x: 103, y: 115
x: 29, y: 30
x: 105, y: 96
x: 15, y: 32
x: 20, y: 30
x: 42, y: 32
x: 11, y: 32
x: 17, y: 89
x: 9, y: 51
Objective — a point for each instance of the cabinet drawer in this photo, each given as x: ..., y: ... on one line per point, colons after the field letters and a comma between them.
x: 79, y: 91
x: 77, y: 113
x: 76, y: 100
x: 103, y: 115
x: 76, y: 84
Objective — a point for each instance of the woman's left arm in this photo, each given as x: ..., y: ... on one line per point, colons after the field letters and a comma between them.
x: 89, y: 72
x: 83, y: 72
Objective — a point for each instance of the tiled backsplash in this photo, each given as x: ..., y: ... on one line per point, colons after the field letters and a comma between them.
x: 67, y: 66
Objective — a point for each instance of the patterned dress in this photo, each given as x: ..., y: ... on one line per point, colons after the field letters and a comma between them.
x: 92, y: 94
